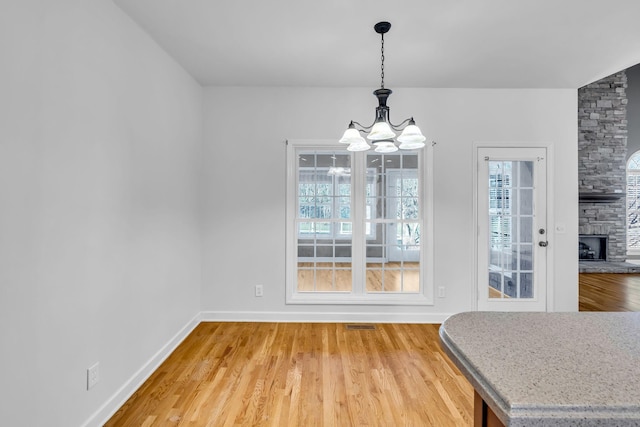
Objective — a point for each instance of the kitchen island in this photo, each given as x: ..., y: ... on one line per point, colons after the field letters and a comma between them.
x: 549, y: 369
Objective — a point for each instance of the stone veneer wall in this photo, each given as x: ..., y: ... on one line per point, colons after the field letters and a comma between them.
x: 602, y: 148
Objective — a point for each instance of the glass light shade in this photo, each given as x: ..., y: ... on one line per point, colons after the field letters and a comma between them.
x: 352, y: 136
x: 381, y: 130
x: 411, y: 145
x: 358, y: 146
x: 385, y: 147
x: 411, y: 134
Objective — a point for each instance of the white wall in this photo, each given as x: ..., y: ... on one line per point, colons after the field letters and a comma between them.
x: 633, y: 110
x: 100, y: 140
x: 100, y: 176
x: 245, y: 130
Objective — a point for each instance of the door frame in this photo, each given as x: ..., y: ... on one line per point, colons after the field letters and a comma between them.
x: 550, y: 283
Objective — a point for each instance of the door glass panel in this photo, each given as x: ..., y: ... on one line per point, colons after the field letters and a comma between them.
x: 511, y: 231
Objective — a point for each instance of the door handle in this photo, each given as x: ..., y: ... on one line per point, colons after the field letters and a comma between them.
x: 543, y: 244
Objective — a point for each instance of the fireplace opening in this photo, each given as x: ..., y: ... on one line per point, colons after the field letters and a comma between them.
x: 592, y: 247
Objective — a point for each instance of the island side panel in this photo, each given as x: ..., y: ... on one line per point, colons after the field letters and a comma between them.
x: 483, y: 416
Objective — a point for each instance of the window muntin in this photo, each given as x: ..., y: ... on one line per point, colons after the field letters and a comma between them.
x: 324, y: 225
x: 356, y: 227
x: 393, y: 258
x: 510, y: 223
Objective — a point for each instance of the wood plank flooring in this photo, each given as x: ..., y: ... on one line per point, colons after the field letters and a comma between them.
x: 609, y: 292
x: 288, y: 374
x: 304, y: 374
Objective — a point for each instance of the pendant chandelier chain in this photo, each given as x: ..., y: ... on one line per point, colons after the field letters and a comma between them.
x: 382, y: 131
x: 382, y: 61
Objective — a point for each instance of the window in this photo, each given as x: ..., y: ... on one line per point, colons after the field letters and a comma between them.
x: 633, y: 204
x: 356, y: 226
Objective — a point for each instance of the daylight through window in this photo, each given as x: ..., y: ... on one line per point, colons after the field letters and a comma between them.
x: 356, y: 228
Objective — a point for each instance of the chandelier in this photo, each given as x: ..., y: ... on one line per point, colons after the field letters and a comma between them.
x: 381, y: 132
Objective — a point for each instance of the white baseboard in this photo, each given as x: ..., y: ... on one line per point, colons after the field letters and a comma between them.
x: 102, y: 415
x: 106, y: 411
x: 276, y: 316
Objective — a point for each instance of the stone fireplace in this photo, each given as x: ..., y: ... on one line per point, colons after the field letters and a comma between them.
x: 593, y: 247
x: 602, y: 148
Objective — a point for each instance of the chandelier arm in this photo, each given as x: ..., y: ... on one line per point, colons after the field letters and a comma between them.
x: 399, y: 126
x: 363, y: 128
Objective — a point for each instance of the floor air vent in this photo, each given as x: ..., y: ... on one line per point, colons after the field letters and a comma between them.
x: 362, y: 327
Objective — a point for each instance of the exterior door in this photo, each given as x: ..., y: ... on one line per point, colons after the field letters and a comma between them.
x: 512, y: 229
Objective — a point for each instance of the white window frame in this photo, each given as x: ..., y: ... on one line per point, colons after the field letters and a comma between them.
x: 631, y: 170
x: 358, y: 294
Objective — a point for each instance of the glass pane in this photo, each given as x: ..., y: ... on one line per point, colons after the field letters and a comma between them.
x: 526, y: 285
x: 410, y: 208
x: 374, y: 161
x: 378, y: 207
x: 324, y: 277
x: 526, y: 257
x: 322, y: 229
x: 306, y: 160
x: 392, y: 161
x: 511, y: 229
x: 305, y: 279
x: 410, y: 161
x: 345, y: 229
x: 526, y: 229
x: 374, y: 280
x: 392, y: 221
x: 409, y: 235
x: 325, y: 160
x: 324, y: 280
x: 324, y: 251
x: 342, y: 160
x: 526, y: 202
x: 526, y: 174
x: 633, y: 203
x: 393, y: 243
x: 306, y: 228
x: 343, y: 279
x: 409, y: 187
x: 495, y: 285
x: 510, y: 285
x: 393, y: 280
x: 374, y: 251
x: 306, y: 251
x: 411, y: 280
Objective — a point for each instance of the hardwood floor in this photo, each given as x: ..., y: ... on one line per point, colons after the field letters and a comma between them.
x: 609, y: 292
x: 305, y: 374
x: 288, y: 374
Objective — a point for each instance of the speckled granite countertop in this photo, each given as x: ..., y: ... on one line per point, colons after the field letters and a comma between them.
x: 550, y: 369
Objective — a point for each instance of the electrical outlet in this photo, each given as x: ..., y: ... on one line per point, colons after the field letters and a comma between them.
x: 93, y: 375
x: 259, y: 290
x: 441, y: 293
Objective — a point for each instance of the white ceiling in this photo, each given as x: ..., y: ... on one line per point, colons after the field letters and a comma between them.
x: 432, y: 43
